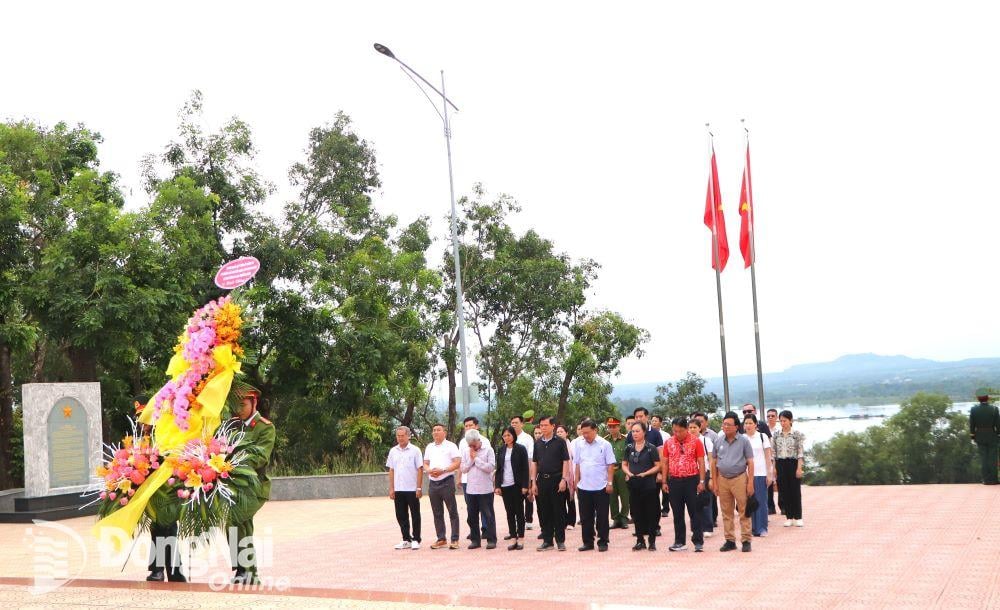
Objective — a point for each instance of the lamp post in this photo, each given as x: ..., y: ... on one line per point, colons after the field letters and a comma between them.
x: 459, y: 300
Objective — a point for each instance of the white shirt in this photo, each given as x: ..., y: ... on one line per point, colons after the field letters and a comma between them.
x: 508, y: 472
x: 709, y: 445
x: 759, y: 442
x: 594, y: 459
x: 404, y: 464
x: 463, y: 445
x: 528, y: 442
x: 441, y: 456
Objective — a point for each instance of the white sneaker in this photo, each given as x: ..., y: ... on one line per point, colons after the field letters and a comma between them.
x: 402, y: 545
x: 414, y: 545
x: 788, y: 523
x: 529, y: 526
x: 763, y: 534
x: 708, y: 534
x: 798, y: 523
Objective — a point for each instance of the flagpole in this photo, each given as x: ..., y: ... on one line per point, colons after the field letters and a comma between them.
x: 753, y: 272
x: 715, y: 265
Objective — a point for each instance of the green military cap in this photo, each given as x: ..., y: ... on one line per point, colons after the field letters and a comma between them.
x: 982, y: 392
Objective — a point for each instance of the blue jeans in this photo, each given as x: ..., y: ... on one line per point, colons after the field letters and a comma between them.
x: 758, y: 519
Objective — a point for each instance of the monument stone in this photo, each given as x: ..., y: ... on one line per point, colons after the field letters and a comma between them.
x: 62, y: 437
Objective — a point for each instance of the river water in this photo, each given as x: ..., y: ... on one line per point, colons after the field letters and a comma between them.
x: 838, y: 418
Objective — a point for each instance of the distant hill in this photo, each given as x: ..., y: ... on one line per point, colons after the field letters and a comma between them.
x: 860, y: 378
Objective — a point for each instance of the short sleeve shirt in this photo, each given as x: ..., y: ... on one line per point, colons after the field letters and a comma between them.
x: 404, y: 464
x: 441, y: 456
x: 731, y: 457
x: 594, y: 459
x: 759, y: 442
x: 642, y: 460
x: 683, y: 456
x: 550, y: 455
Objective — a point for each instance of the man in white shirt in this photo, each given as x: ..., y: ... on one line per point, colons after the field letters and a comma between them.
x: 471, y: 423
x: 406, y: 475
x: 479, y: 463
x: 441, y: 461
x: 528, y: 442
x: 594, y: 463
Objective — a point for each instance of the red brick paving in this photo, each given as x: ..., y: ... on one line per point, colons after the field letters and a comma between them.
x: 915, y: 546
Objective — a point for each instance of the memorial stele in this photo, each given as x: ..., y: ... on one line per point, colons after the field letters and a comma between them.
x: 62, y: 437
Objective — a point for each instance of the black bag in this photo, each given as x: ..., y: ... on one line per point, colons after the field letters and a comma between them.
x: 752, y: 505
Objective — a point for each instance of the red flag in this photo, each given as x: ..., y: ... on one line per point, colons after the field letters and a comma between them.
x: 714, y: 219
x: 746, y: 214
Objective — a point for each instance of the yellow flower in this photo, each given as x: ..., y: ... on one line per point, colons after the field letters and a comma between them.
x: 124, y: 485
x: 102, y: 471
x: 193, y: 480
x: 219, y: 463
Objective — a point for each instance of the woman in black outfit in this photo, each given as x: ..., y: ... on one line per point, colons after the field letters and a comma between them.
x: 641, y: 465
x: 511, y: 483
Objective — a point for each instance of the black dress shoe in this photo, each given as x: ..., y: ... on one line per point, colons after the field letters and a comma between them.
x: 475, y: 545
x: 652, y: 545
x: 561, y: 546
x: 602, y: 548
x: 639, y: 546
x: 546, y: 546
x: 515, y: 547
x: 541, y: 537
x: 157, y: 575
x: 728, y: 546
x: 176, y: 576
x: 491, y: 545
x: 746, y: 546
x: 586, y: 547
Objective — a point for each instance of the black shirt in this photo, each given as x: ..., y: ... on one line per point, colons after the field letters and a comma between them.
x: 551, y: 455
x: 641, y: 461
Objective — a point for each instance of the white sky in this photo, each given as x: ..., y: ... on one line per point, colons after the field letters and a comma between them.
x: 874, y: 132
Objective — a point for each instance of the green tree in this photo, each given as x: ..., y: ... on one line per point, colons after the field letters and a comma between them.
x: 685, y: 396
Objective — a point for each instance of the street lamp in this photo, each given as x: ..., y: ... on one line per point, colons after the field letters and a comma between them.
x: 459, y: 300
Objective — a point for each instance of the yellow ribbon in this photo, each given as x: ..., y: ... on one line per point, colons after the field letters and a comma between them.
x: 202, y: 423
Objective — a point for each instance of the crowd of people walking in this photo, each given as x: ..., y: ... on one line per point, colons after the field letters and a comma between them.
x: 633, y: 476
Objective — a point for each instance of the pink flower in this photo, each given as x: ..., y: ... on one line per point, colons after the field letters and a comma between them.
x: 171, y: 481
x: 112, y: 495
x: 124, y: 501
x: 104, y: 495
x: 131, y: 493
x: 180, y: 494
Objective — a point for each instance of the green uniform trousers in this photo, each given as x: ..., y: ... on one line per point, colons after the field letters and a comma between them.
x: 988, y: 455
x: 619, y: 498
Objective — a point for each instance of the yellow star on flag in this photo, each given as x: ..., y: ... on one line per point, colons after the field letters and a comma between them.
x: 745, y: 207
x: 67, y: 412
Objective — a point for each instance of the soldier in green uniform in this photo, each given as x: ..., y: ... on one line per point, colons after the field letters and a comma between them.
x: 258, y: 432
x: 619, y: 490
x: 984, y: 424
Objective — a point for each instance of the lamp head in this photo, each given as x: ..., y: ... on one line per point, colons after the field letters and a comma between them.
x: 384, y: 50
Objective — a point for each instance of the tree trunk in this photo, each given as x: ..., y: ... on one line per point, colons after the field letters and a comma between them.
x: 411, y: 407
x: 38, y: 361
x: 564, y: 397
x: 84, y: 363
x: 452, y: 398
x: 6, y: 417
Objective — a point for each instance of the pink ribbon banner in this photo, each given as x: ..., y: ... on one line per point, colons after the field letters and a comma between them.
x: 236, y: 273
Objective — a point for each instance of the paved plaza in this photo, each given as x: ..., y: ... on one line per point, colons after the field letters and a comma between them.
x: 915, y: 546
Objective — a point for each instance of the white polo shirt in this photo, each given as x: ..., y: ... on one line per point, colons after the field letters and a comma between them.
x: 441, y: 456
x: 528, y: 442
x: 404, y: 464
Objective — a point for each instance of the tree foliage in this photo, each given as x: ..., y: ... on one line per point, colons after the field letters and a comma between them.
x: 926, y: 442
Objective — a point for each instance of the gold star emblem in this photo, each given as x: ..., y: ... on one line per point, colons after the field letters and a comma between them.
x: 67, y: 412
x: 745, y: 207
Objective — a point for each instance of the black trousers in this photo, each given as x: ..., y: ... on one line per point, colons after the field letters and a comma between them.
x: 164, y: 553
x: 513, y: 505
x: 595, y: 509
x: 570, y: 509
x: 665, y: 501
x: 645, y: 507
x: 684, y: 493
x: 770, y: 499
x: 529, y: 510
x: 551, y: 508
x: 407, y: 506
x: 789, y: 487
x: 480, y: 507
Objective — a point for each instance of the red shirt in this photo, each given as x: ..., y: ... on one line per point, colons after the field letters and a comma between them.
x: 683, y: 463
